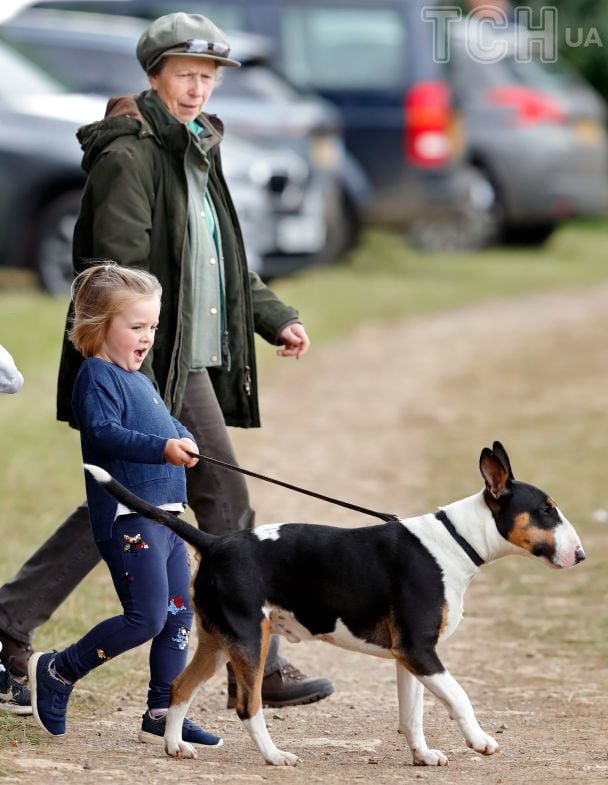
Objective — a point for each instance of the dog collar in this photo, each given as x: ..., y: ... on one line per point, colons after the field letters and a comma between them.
x: 441, y: 515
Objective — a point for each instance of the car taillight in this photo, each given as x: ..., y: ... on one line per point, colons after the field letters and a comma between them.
x: 531, y: 107
x: 428, y: 124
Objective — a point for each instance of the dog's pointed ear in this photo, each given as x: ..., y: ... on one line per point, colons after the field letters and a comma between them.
x: 496, y: 470
x: 500, y: 452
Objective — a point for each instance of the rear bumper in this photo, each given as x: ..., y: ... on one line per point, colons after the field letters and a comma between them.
x: 551, y: 180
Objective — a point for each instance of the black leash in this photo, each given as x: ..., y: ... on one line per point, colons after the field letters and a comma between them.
x: 466, y: 547
x: 384, y: 516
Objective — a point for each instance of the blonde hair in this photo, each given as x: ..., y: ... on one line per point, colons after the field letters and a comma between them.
x: 100, y: 292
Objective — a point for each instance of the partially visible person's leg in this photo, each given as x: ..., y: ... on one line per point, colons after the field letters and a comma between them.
x: 42, y: 584
x: 15, y: 697
x: 137, y: 556
x: 218, y: 496
x: 220, y: 501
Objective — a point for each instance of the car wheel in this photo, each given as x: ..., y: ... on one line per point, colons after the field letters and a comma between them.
x: 53, y: 243
x: 345, y: 231
x: 473, y: 224
x: 532, y: 235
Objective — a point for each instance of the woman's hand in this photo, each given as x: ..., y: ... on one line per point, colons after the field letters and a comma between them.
x: 295, y: 341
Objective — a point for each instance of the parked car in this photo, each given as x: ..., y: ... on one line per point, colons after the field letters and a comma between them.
x: 374, y: 62
x: 535, y: 134
x: 94, y: 53
x: 532, y: 135
x: 279, y: 199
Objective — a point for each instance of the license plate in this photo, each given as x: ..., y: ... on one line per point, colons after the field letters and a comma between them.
x: 300, y: 234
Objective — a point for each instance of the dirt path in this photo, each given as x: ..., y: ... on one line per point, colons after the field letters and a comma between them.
x: 364, y: 420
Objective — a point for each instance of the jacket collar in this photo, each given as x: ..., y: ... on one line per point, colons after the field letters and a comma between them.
x: 158, y: 120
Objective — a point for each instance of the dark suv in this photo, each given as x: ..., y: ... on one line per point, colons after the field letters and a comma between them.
x: 374, y: 61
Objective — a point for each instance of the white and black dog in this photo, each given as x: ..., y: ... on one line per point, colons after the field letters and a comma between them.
x: 392, y: 590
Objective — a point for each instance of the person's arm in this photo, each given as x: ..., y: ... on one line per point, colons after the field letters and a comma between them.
x: 270, y: 314
x: 98, y: 401
x: 99, y: 412
x: 120, y: 194
x: 183, y: 432
x: 11, y: 379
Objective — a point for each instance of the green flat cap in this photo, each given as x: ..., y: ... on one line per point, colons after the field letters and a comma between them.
x: 183, y: 34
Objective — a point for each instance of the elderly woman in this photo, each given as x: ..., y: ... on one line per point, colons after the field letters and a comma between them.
x: 156, y: 199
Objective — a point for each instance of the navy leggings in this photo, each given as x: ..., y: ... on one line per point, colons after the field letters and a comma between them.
x: 151, y: 575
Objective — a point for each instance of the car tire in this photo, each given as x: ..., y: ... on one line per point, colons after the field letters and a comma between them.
x: 343, y: 230
x: 52, y: 249
x: 475, y: 223
x: 532, y: 235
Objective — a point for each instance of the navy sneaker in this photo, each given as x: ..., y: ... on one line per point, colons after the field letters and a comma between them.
x: 153, y: 732
x: 49, y: 694
x: 14, y: 696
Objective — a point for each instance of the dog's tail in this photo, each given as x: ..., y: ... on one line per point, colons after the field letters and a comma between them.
x: 193, y: 536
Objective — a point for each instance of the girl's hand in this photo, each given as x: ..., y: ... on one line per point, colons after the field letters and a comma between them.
x: 176, y: 452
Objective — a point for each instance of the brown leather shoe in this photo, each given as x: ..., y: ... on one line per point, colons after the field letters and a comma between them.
x: 14, y: 655
x: 285, y: 687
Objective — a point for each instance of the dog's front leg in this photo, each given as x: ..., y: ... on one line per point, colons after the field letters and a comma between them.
x: 256, y: 728
x: 445, y: 687
x: 411, y: 709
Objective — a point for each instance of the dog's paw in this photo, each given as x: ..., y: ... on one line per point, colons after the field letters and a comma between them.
x: 429, y: 758
x: 483, y: 743
x: 180, y: 749
x: 280, y: 758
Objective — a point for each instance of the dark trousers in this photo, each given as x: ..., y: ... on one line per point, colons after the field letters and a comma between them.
x: 218, y: 497
x: 149, y: 568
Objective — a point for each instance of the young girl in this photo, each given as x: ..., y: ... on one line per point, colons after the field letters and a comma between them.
x: 126, y: 428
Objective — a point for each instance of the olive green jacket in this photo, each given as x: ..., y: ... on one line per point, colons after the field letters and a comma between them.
x: 135, y: 211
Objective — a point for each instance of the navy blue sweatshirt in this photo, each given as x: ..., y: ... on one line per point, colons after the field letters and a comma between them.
x: 124, y: 427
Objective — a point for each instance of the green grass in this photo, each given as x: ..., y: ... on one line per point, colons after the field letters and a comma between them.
x: 381, y: 281
x: 384, y: 279
x: 41, y: 478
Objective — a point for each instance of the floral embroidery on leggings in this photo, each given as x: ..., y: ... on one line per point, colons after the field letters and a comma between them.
x: 134, y: 544
x: 176, y: 605
x: 102, y: 655
x: 182, y: 638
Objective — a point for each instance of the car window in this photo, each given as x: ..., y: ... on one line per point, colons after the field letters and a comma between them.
x: 467, y: 71
x: 90, y: 70
x: 151, y: 9
x: 15, y: 69
x: 225, y: 18
x: 344, y: 48
x: 255, y: 81
x: 471, y: 66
